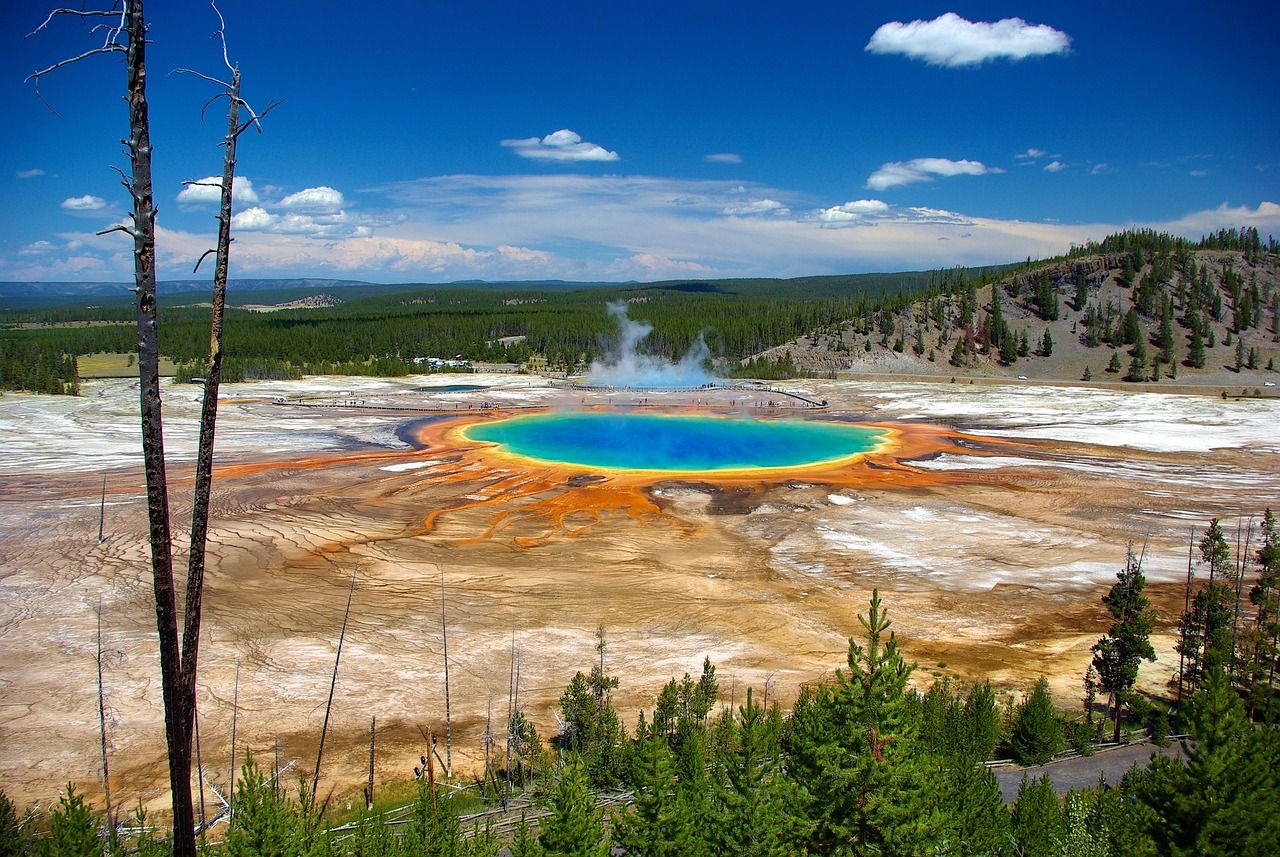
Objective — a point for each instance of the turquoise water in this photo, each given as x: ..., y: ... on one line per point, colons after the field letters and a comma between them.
x: 649, y: 442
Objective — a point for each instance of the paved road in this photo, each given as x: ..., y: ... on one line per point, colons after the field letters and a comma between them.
x: 1082, y: 772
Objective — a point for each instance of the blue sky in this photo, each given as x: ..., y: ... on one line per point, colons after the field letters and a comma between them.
x: 435, y: 142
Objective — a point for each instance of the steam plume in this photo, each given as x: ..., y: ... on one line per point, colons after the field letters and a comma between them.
x: 627, y: 367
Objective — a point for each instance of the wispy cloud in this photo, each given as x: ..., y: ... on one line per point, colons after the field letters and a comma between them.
x: 1054, y: 167
x: 88, y: 202
x: 29, y: 174
x: 1100, y: 169
x: 722, y: 158
x: 562, y: 145
x: 208, y: 190
x: 899, y: 173
x: 1032, y: 154
x: 756, y: 206
x: 952, y: 41
x: 585, y: 227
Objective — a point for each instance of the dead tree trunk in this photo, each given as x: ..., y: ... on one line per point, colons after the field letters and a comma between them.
x: 209, y: 412
x: 448, y: 719
x: 102, y: 731
x: 368, y: 792
x: 333, y: 682
x: 176, y: 713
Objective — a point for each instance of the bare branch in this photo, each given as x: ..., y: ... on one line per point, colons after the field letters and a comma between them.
x: 222, y: 34
x: 210, y: 101
x: 202, y: 75
x: 79, y: 13
x: 203, y: 184
x: 105, y: 49
x: 124, y: 179
x: 203, y: 256
x: 118, y: 228
x: 255, y: 119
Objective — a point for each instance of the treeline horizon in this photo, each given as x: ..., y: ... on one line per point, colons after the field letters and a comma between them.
x: 382, y: 334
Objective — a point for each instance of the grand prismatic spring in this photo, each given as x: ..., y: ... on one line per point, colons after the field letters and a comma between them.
x: 621, y: 441
x: 991, y: 519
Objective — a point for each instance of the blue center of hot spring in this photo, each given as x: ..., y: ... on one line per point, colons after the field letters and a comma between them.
x: 649, y: 442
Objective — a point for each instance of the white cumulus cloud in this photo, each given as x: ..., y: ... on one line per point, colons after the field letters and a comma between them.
x: 87, y: 202
x: 899, y: 173
x: 722, y: 158
x: 209, y: 190
x: 1054, y: 167
x: 562, y: 145
x: 1031, y: 154
x: 952, y: 41
x: 853, y: 211
x: 254, y: 219
x: 317, y: 200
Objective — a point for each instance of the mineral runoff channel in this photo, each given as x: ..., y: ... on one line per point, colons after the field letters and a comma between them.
x: 992, y: 519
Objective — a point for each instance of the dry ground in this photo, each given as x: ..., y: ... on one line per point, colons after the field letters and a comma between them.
x: 992, y: 531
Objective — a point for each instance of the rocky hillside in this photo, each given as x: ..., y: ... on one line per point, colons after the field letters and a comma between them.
x: 1169, y: 315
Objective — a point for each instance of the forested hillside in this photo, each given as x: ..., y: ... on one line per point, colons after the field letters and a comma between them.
x: 1138, y: 306
x: 381, y: 334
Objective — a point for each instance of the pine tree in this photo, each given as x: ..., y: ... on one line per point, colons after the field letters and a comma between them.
x: 757, y: 811
x: 1036, y: 734
x: 1081, y: 296
x: 1195, y: 356
x: 1204, y: 631
x: 1265, y: 632
x: 574, y: 828
x: 1118, y: 654
x: 12, y: 842
x: 73, y: 831
x: 1114, y: 365
x: 658, y: 824
x: 854, y: 746
x: 1138, y: 365
x: 262, y: 824
x: 1037, y: 819
x: 525, y: 842
x: 1046, y: 344
x: 1222, y: 799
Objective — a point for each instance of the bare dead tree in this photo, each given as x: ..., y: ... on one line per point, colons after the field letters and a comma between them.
x: 123, y: 30
x: 199, y: 770
x: 213, y: 374
x: 448, y: 720
x: 488, y: 741
x: 102, y: 729
x: 235, y: 710
x: 368, y: 792
x: 333, y: 681
x: 102, y: 511
x: 511, y: 713
x: 1186, y: 608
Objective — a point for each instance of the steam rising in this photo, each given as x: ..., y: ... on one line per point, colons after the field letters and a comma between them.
x: 627, y: 367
